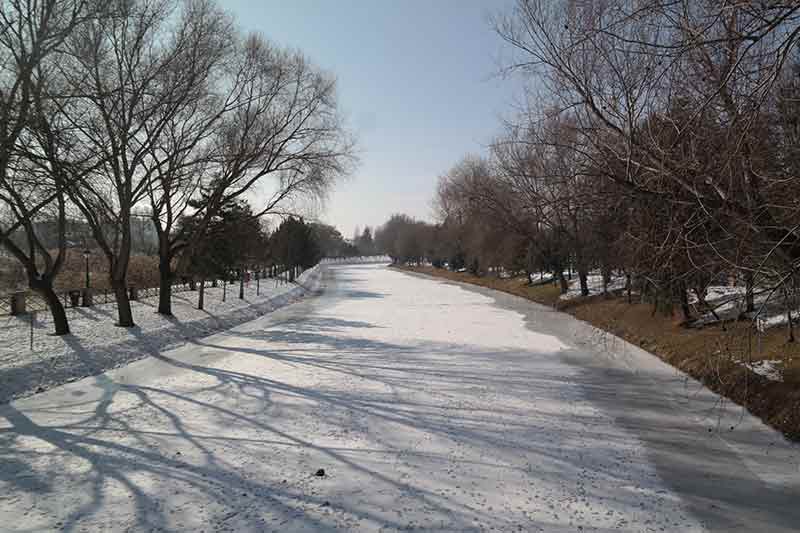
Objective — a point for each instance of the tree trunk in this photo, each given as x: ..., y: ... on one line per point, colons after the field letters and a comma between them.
x: 201, y: 294
x: 656, y: 302
x: 165, y: 276
x: 124, y: 312
x: 628, y: 287
x: 788, y: 301
x: 665, y: 295
x: 606, y: 279
x: 45, y: 289
x: 241, y: 284
x: 645, y: 288
x: 583, y: 276
x: 683, y: 296
x: 750, y: 304
x: 563, y: 282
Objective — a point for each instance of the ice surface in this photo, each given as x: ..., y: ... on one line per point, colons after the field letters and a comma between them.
x: 429, y: 406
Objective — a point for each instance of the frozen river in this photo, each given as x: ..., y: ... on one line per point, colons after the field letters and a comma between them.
x: 428, y: 405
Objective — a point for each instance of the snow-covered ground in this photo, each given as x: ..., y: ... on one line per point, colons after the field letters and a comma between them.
x: 771, y: 369
x: 728, y: 302
x: 429, y: 406
x: 96, y: 344
x: 594, y: 282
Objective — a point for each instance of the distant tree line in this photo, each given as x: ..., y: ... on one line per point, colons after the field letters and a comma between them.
x: 659, y: 142
x: 114, y: 112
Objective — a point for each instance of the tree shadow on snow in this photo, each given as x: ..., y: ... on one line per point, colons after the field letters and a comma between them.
x: 81, y: 360
x: 397, y: 397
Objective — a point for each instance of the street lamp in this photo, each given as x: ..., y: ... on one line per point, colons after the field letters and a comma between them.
x: 86, y: 254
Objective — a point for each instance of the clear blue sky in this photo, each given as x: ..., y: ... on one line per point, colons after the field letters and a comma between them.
x: 416, y: 81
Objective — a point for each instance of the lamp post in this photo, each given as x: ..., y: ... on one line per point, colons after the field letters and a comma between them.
x: 86, y: 254
x: 87, y: 294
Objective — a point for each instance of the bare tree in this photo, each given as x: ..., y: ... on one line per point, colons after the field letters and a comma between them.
x: 179, y: 156
x: 136, y: 73
x: 31, y: 32
x: 279, y: 140
x: 676, y: 99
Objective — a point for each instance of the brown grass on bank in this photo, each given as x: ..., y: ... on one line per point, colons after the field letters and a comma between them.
x: 142, y: 272
x: 707, y: 354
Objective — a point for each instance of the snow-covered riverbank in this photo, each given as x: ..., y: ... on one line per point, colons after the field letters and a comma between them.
x: 96, y: 344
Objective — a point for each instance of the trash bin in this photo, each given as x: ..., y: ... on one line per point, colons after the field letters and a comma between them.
x: 88, y: 299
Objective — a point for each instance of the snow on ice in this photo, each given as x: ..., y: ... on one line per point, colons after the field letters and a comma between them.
x: 429, y: 406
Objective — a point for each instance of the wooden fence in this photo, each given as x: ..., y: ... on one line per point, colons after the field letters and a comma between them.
x: 29, y: 301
